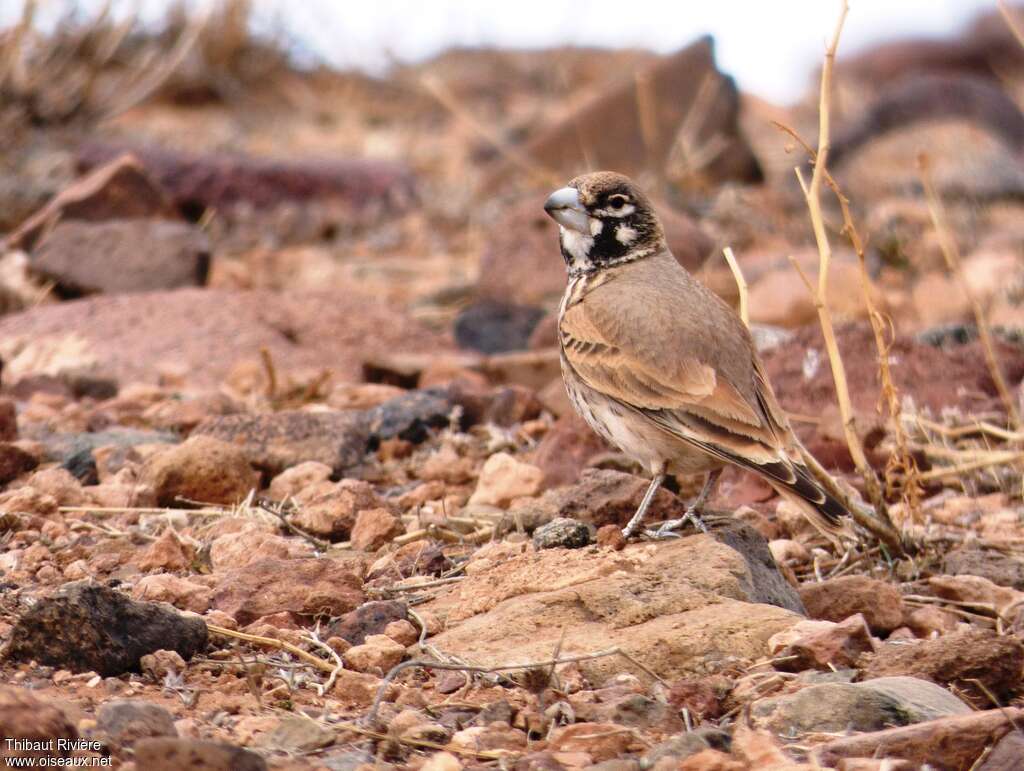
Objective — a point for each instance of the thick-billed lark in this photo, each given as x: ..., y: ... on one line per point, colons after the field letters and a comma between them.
x: 659, y: 365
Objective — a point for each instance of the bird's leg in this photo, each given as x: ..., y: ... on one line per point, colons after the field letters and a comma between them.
x: 692, y: 511
x: 645, y: 504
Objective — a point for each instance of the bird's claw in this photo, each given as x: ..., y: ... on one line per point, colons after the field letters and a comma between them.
x: 668, y: 529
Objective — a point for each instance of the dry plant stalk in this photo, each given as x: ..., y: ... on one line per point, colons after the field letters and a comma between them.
x: 741, y: 283
x: 952, y: 256
x: 878, y: 524
x: 1004, y: 9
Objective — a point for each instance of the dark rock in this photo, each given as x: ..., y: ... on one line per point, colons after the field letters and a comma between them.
x: 958, y: 659
x: 767, y: 584
x: 303, y: 587
x: 409, y: 416
x: 25, y: 716
x: 500, y: 406
x: 369, y: 618
x: 86, y: 627
x: 999, y: 568
x: 92, y: 257
x: 220, y: 181
x: 563, y: 533
x: 170, y: 754
x: 690, y: 743
x: 125, y: 721
x: 838, y: 598
x: 14, y: 462
x: 118, y: 189
x: 609, y: 133
x: 74, y: 451
x: 490, y: 326
x: 275, y: 441
x: 867, y: 706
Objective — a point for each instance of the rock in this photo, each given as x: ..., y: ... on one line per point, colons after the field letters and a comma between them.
x: 87, y: 627
x: 602, y: 741
x: 630, y: 709
x: 441, y: 761
x: 276, y: 441
x: 81, y: 257
x: 377, y: 654
x: 409, y: 416
x: 8, y: 420
x: 999, y: 568
x: 766, y: 584
x: 610, y: 537
x: 687, y: 744
x: 331, y: 510
x: 951, y: 742
x: 374, y: 528
x: 170, y: 754
x: 14, y: 462
x: 221, y: 181
x: 402, y: 632
x: 838, y: 598
x: 168, y: 552
x: 161, y: 664
x: 207, y: 333
x: 868, y: 706
x: 702, y: 697
x: 667, y: 605
x: 491, y: 326
x: 504, y: 478
x: 75, y: 451
x: 565, y: 450
x: 299, y: 734
x: 27, y: 717
x: 202, y: 469
x: 118, y: 189
x: 821, y: 645
x: 1005, y: 755
x: 370, y: 618
x: 174, y: 590
x: 611, y: 127
x: 125, y: 721
x: 494, y: 737
x: 293, y: 480
x: 306, y: 587
x: 59, y: 483
x: 601, y: 497
x: 958, y: 660
x: 563, y: 533
x: 238, y: 549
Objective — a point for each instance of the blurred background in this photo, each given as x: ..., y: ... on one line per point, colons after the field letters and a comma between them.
x: 400, y: 153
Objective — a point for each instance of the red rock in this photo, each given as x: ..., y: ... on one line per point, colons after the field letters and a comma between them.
x: 136, y: 337
x: 702, y: 696
x: 238, y: 549
x: 120, y: 188
x: 25, y: 716
x: 172, y: 754
x: 292, y: 481
x: 711, y: 760
x: 306, y: 587
x: 59, y: 483
x: 1005, y: 755
x: 402, y: 632
x: 611, y: 537
x: 374, y: 528
x: 14, y: 462
x: 821, y: 644
x: 838, y: 598
x: 377, y: 655
x: 602, y: 741
x: 179, y: 592
x: 566, y: 449
x: 370, y: 618
x: 495, y: 736
x: 168, y: 552
x: 958, y: 659
x: 201, y: 469
x: 8, y: 421
x: 330, y: 510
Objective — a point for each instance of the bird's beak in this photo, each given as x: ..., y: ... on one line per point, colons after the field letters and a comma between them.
x: 565, y: 208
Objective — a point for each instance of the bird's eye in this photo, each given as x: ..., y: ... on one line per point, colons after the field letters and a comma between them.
x: 617, y: 201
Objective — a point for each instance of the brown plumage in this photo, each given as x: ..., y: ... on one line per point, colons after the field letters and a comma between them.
x: 658, y: 364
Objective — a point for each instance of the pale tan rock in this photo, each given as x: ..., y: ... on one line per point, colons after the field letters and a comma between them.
x: 235, y: 550
x: 374, y: 528
x: 59, y: 483
x: 160, y: 664
x: 292, y: 481
x: 402, y: 632
x: 202, y: 469
x: 377, y: 655
x: 504, y: 478
x: 179, y: 592
x: 442, y: 761
x: 822, y: 644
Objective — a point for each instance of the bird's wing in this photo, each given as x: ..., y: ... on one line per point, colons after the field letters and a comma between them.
x: 647, y: 361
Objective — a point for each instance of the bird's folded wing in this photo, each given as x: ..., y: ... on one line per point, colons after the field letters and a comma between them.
x: 680, y: 393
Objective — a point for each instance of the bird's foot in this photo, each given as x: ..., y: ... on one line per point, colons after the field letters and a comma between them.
x: 668, y: 529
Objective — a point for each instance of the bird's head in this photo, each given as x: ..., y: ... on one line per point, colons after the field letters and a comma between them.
x: 604, y: 220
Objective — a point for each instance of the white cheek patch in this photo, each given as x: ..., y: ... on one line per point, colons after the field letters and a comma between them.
x: 577, y: 245
x: 596, y: 226
x: 625, y: 235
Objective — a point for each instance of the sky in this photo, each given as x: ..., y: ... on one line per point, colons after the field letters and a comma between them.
x: 769, y: 46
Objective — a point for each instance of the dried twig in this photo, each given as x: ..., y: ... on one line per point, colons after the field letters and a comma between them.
x: 371, y: 716
x: 952, y: 256
x: 1004, y: 9
x: 270, y: 642
x: 741, y: 283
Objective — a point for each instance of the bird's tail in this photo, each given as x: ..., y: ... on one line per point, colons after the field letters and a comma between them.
x: 821, y: 508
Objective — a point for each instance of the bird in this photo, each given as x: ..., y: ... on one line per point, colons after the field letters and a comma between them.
x: 660, y: 366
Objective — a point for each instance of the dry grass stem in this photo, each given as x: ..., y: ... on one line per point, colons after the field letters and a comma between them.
x: 1007, y: 14
x: 281, y: 645
x: 741, y: 283
x: 952, y: 256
